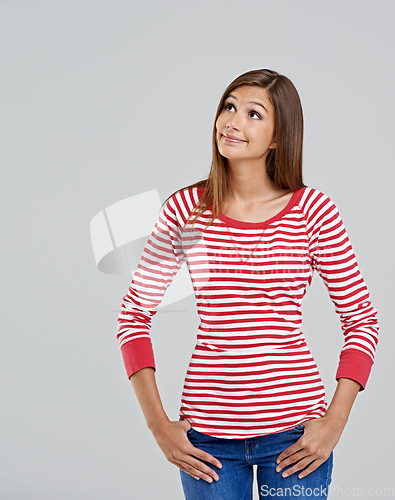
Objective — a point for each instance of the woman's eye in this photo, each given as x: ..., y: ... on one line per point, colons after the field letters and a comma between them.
x: 227, y: 105
x: 255, y: 113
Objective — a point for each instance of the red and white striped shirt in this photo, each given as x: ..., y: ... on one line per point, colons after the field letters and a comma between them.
x: 251, y: 372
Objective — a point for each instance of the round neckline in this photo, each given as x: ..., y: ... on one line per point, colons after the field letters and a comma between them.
x: 257, y: 225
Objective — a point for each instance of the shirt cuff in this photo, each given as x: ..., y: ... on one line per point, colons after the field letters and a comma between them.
x: 137, y: 354
x: 356, y: 365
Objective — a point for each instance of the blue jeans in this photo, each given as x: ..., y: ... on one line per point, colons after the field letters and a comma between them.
x: 238, y: 456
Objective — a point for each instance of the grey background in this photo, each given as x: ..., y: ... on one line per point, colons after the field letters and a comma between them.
x: 102, y: 100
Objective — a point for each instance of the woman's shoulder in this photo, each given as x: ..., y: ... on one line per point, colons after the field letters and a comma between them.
x: 313, y: 198
x: 181, y: 203
x: 186, y: 196
x: 317, y: 206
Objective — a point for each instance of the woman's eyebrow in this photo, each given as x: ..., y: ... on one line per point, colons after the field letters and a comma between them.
x: 251, y: 102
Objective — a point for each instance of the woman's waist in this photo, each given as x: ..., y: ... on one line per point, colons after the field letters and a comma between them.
x: 252, y: 344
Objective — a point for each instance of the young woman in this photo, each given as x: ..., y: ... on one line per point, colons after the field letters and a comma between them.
x: 252, y: 234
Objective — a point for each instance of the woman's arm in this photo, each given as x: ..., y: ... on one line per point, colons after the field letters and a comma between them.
x: 334, y: 259
x: 161, y: 259
x: 144, y: 385
x: 159, y: 263
x: 343, y: 399
x: 171, y: 436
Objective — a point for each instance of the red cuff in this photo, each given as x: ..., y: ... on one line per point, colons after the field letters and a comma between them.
x: 137, y: 354
x: 356, y: 365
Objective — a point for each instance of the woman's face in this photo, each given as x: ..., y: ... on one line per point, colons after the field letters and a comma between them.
x: 248, y: 115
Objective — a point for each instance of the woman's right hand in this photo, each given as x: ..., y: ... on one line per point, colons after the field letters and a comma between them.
x: 173, y: 441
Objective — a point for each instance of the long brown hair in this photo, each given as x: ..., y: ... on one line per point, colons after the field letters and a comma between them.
x: 283, y: 163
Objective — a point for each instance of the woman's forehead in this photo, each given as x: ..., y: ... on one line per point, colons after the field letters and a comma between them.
x: 250, y: 93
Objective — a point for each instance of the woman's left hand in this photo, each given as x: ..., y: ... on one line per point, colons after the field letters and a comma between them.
x: 315, y: 446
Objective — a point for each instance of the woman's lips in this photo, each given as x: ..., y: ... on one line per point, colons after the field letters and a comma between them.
x: 229, y: 139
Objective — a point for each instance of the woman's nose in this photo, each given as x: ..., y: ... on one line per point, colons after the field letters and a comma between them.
x: 234, y: 123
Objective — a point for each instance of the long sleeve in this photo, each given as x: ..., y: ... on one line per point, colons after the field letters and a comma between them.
x: 334, y: 259
x: 161, y: 259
